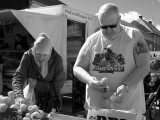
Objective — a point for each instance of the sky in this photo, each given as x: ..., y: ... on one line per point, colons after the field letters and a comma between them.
x: 129, y: 9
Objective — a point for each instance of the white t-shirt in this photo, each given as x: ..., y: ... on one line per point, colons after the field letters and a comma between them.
x: 114, y: 60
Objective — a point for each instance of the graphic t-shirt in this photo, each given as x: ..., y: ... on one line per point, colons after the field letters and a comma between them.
x: 114, y: 60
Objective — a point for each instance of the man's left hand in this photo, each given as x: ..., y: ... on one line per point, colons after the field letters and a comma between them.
x: 120, y: 93
x: 122, y: 89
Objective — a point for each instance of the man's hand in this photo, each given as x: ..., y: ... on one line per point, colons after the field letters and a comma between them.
x: 104, y: 82
x: 122, y: 89
x: 32, y: 82
x: 98, y: 85
x: 120, y: 93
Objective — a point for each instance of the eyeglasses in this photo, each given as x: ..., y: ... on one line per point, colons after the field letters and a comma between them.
x: 109, y: 26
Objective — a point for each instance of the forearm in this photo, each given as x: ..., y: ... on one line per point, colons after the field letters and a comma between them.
x: 82, y: 75
x: 17, y: 84
x: 20, y: 76
x: 136, y: 76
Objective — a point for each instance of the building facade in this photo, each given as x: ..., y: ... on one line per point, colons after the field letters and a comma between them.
x: 150, y: 32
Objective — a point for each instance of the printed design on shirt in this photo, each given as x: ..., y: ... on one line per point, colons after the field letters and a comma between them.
x: 108, y: 62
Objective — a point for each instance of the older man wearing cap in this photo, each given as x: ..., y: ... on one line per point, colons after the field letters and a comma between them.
x: 42, y: 67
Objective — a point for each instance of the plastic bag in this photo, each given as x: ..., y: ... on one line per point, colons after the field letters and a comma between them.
x: 29, y: 94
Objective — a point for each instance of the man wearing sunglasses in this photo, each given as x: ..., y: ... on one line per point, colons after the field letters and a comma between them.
x: 113, y: 62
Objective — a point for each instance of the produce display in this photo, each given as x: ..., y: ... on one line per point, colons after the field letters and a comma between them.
x: 22, y: 111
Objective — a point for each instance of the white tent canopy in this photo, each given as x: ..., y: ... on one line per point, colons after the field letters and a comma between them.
x: 55, y: 26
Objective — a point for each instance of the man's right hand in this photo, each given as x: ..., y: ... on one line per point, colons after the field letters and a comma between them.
x: 96, y: 85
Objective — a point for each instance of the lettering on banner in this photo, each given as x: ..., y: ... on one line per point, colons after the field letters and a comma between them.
x: 74, y: 13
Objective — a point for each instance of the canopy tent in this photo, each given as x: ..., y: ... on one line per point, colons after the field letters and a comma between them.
x: 53, y: 25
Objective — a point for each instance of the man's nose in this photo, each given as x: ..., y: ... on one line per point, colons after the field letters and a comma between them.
x: 107, y: 31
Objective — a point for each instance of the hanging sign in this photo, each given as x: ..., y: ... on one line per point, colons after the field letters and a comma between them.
x: 77, y: 14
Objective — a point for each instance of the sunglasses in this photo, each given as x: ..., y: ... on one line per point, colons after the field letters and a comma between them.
x: 109, y: 26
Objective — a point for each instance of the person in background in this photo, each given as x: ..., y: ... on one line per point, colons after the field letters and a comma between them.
x: 42, y: 68
x: 113, y: 61
x: 153, y: 80
x: 20, y: 43
x: 1, y: 78
x: 153, y: 87
x: 146, y: 82
x: 154, y: 77
x: 30, y: 40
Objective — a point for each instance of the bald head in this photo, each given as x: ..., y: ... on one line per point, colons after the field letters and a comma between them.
x: 109, y: 20
x: 107, y: 9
